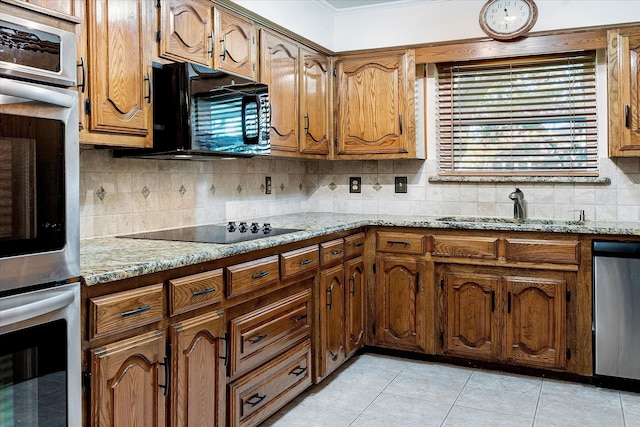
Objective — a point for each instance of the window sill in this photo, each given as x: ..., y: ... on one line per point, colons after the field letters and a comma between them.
x: 597, y: 180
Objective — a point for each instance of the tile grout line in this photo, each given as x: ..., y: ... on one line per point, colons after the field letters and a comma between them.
x: 457, y: 397
x: 379, y: 394
x: 535, y: 413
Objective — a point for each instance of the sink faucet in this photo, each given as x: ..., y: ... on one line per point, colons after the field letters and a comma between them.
x: 518, y: 204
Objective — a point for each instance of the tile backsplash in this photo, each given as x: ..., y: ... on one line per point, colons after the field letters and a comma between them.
x: 120, y: 196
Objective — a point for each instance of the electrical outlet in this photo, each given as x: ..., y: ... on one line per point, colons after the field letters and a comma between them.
x: 355, y: 184
x: 401, y: 184
x: 267, y: 185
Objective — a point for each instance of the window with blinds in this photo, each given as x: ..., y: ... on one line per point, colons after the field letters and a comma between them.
x: 532, y: 116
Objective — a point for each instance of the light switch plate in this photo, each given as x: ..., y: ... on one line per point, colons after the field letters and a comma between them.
x: 401, y: 184
x: 355, y: 184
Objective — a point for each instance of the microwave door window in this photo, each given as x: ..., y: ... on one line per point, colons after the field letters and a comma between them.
x: 218, y: 123
x: 32, y: 198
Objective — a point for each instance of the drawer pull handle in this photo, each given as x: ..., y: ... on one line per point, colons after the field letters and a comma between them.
x: 357, y: 245
x: 398, y: 242
x: 298, y: 370
x: 203, y: 292
x: 299, y: 318
x: 259, y: 275
x: 257, y: 339
x: 255, y: 399
x: 336, y: 252
x: 306, y: 261
x: 136, y: 311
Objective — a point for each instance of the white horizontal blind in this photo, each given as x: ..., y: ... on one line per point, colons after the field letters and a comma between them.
x: 524, y: 116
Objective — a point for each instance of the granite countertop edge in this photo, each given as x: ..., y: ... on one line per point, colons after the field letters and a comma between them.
x: 107, y: 259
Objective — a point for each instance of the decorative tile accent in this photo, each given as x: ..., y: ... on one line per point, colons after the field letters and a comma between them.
x: 262, y: 188
x: 212, y: 189
x: 377, y: 186
x: 182, y: 190
x: 332, y: 186
x: 239, y: 188
x: 145, y: 191
x: 101, y: 193
x: 300, y: 186
x: 282, y: 187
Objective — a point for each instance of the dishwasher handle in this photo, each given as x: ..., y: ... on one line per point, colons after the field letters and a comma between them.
x: 616, y: 248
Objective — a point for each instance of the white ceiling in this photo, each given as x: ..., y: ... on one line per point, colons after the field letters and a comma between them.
x: 339, y: 5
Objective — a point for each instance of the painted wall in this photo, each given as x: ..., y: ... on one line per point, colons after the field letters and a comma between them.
x: 424, y: 21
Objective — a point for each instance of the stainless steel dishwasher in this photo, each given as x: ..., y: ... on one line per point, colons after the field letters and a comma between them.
x: 616, y: 274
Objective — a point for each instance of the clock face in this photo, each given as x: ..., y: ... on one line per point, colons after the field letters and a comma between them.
x: 506, y: 19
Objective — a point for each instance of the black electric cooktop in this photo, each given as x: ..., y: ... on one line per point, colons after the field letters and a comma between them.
x: 211, y: 233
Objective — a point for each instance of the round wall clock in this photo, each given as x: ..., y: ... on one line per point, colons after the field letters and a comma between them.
x: 508, y: 19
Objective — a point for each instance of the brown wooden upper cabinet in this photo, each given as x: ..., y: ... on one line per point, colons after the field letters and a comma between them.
x: 623, y: 56
x: 236, y: 50
x: 279, y: 68
x: 186, y: 31
x: 118, y: 86
x: 314, y: 102
x: 376, y: 106
x: 69, y: 7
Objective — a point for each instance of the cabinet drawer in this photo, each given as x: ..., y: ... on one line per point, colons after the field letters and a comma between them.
x: 465, y: 247
x: 262, y: 392
x: 299, y: 261
x: 552, y: 251
x: 401, y: 242
x: 125, y: 310
x: 250, y: 276
x: 331, y: 252
x: 263, y: 333
x: 354, y: 245
x: 198, y: 290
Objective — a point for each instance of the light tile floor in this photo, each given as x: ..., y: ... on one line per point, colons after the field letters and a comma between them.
x: 381, y: 391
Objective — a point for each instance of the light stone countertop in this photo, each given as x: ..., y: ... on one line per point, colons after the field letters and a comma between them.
x: 107, y: 259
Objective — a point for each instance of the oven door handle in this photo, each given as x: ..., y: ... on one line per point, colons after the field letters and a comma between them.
x: 35, y: 92
x: 34, y: 309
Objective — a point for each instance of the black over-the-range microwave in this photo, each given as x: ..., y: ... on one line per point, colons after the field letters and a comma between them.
x: 199, y: 112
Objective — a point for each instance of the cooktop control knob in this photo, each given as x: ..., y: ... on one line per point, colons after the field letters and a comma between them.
x: 255, y: 227
x: 231, y: 226
x: 243, y: 227
x: 266, y: 228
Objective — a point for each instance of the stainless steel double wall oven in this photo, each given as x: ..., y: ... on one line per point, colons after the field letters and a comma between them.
x: 39, y: 221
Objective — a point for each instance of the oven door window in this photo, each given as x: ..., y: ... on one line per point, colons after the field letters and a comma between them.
x: 33, y: 377
x: 32, y: 198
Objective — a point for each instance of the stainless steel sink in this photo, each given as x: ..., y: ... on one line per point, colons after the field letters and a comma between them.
x: 497, y: 220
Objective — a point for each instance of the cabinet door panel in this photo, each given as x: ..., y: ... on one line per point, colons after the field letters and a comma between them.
x: 355, y: 317
x: 400, y: 300
x: 235, y: 44
x: 279, y: 69
x: 623, y: 56
x: 186, y: 27
x: 332, y: 319
x: 126, y: 389
x: 314, y: 103
x: 198, y: 371
x: 535, y: 326
x: 375, y: 104
x: 470, y: 323
x: 119, y: 67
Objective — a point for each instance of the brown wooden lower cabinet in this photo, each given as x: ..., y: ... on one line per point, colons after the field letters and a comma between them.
x: 198, y: 371
x: 513, y: 316
x: 400, y: 299
x: 355, y: 304
x: 127, y: 382
x: 263, y: 391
